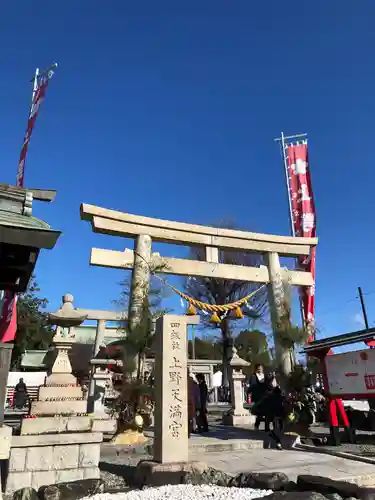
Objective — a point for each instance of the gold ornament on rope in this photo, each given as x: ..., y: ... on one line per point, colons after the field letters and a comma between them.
x: 203, y: 306
x: 214, y: 309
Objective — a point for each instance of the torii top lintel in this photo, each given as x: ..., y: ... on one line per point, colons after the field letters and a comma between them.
x: 115, y: 223
x: 128, y: 225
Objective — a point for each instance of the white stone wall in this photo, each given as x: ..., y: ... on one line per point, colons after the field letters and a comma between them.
x: 41, y: 460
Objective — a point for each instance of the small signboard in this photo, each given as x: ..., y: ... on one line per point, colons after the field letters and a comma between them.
x: 351, y: 374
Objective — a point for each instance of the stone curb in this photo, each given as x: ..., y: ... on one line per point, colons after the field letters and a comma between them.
x: 366, y: 480
x: 333, y: 453
x: 218, y: 447
x: 56, y: 439
x: 240, y: 445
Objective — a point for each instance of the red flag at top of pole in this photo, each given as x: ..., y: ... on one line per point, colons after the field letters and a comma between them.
x: 40, y: 87
x: 303, y: 217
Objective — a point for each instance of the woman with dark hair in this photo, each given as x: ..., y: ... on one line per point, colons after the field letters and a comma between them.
x: 272, y: 406
x: 257, y: 389
x: 193, y: 402
x: 202, y: 421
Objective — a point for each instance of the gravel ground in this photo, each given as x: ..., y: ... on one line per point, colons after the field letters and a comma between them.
x: 185, y: 492
x: 117, y: 465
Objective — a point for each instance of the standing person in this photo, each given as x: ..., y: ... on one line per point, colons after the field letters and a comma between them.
x: 257, y: 389
x: 217, y: 379
x: 20, y: 395
x: 193, y: 402
x: 273, y: 408
x: 202, y: 409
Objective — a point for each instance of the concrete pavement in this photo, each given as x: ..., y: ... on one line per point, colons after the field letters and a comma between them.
x: 291, y: 462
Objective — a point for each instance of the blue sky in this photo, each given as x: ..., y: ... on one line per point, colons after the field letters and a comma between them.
x: 169, y: 109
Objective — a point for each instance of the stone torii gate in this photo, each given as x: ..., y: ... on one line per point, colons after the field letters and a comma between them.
x: 145, y: 229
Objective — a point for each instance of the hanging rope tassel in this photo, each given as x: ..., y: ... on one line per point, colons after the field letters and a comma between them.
x: 215, y: 318
x: 238, y: 314
x: 191, y: 311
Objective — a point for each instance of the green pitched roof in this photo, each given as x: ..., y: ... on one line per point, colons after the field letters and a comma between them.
x: 22, y: 221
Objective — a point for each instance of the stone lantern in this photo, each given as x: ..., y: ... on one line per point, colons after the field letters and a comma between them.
x: 237, y: 415
x: 67, y: 317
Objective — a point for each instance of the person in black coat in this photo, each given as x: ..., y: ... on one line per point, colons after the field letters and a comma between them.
x: 257, y: 389
x: 202, y: 421
x: 272, y: 406
x: 20, y: 395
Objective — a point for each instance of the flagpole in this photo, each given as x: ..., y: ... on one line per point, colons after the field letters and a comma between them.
x: 282, y: 139
x: 40, y: 82
x: 35, y: 85
x: 283, y: 152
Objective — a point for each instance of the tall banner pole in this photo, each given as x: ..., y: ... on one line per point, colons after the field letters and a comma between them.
x: 287, y: 179
x: 35, y: 84
x: 8, y: 299
x: 302, y: 213
x: 40, y: 84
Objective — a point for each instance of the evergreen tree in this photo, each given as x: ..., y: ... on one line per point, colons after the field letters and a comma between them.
x: 33, y: 331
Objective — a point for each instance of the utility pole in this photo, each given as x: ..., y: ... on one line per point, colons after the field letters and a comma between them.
x: 363, y: 307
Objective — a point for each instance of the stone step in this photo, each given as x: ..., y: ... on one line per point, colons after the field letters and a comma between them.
x: 48, y: 392
x: 218, y: 446
x: 56, y: 425
x: 212, y: 445
x: 68, y: 407
x: 61, y: 379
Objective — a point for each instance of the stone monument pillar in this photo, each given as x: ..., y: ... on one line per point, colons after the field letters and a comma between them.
x: 171, y: 397
x: 171, y: 401
x: 276, y: 298
x: 237, y: 415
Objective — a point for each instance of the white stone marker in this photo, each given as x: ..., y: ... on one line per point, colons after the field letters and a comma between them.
x: 171, y: 389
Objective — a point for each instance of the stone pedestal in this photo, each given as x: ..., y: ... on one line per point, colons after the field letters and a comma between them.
x: 149, y: 473
x: 171, y: 389
x: 238, y: 415
x: 52, y: 458
x: 61, y: 443
x: 54, y: 448
x: 5, y: 442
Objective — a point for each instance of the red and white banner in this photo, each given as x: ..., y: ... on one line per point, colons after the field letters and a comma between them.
x: 8, y: 320
x: 303, y: 218
x: 38, y: 96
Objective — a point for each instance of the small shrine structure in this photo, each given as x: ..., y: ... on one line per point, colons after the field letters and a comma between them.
x: 349, y: 375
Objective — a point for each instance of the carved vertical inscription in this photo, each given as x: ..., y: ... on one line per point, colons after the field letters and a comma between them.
x: 171, y: 419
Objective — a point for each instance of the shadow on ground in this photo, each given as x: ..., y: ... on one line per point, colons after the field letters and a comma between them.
x: 224, y: 432
x: 123, y: 470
